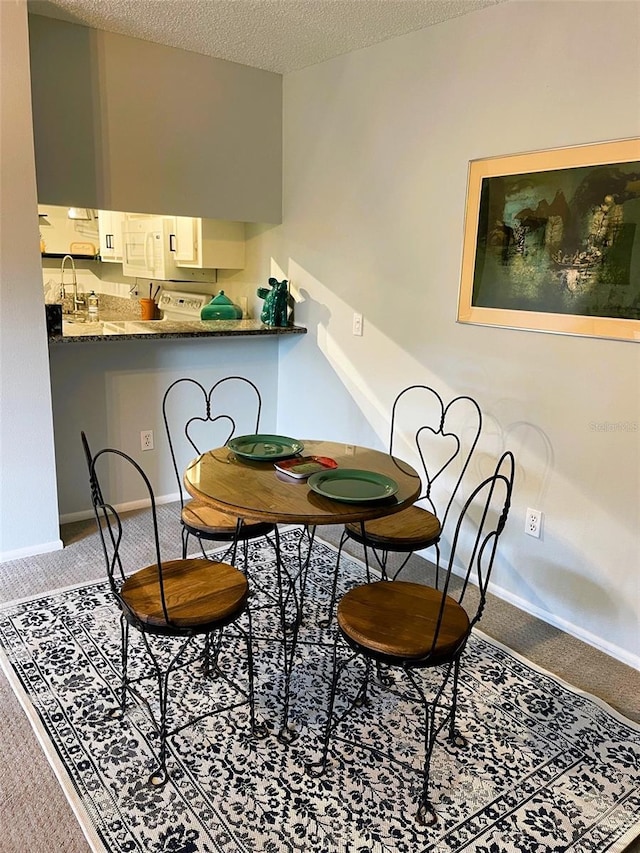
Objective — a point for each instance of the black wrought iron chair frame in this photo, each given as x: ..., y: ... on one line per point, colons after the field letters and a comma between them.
x: 359, y: 533
x: 111, y: 531
x: 439, y: 711
x: 289, y: 593
x: 241, y: 533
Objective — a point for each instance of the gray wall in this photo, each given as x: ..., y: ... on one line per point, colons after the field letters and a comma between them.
x: 124, y: 124
x: 28, y: 509
x: 113, y: 391
x: 376, y: 149
x: 377, y: 145
x: 127, y: 125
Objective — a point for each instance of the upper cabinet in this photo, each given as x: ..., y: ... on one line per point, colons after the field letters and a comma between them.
x: 162, y: 245
x: 68, y: 231
x: 208, y: 243
x: 147, y: 245
x: 110, y: 231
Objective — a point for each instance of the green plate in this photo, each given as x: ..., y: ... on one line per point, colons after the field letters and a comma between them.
x: 264, y: 447
x: 352, y: 485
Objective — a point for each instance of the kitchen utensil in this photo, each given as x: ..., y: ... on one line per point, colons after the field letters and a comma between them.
x: 147, y: 309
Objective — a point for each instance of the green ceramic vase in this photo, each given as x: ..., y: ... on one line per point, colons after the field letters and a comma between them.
x: 221, y: 308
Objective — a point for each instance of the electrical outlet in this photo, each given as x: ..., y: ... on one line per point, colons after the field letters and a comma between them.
x: 357, y: 324
x: 146, y: 439
x: 533, y: 523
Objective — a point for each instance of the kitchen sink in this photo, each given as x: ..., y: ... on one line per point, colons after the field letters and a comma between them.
x: 130, y: 327
x: 84, y: 327
x: 81, y: 327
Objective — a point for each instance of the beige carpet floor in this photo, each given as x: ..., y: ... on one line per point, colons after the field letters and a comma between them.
x: 35, y: 815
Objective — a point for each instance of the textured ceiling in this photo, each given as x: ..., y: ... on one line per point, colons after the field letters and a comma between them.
x: 275, y: 35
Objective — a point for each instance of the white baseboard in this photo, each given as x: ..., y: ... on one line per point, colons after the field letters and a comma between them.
x: 31, y: 551
x: 570, y: 628
x: 84, y: 514
x: 620, y: 654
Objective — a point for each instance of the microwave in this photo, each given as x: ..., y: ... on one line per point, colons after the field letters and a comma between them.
x: 147, y: 248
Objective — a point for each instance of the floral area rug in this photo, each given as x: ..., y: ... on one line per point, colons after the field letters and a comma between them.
x: 546, y: 768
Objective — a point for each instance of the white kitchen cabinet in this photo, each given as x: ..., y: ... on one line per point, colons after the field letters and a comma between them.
x: 208, y: 243
x: 110, y: 230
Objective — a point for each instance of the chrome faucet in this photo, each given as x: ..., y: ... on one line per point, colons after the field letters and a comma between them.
x: 78, y: 301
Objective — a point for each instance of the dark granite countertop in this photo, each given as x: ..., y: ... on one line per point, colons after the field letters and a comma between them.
x: 107, y: 330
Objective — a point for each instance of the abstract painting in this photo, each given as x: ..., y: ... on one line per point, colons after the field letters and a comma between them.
x: 552, y: 241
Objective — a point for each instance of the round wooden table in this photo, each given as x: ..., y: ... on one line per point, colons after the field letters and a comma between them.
x: 255, y: 491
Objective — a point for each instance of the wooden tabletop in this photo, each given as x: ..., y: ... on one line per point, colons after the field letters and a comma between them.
x: 255, y: 491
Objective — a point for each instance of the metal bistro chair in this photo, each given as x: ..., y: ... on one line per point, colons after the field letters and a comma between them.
x: 412, y: 627
x: 443, y: 439
x: 182, y: 599
x: 203, y: 522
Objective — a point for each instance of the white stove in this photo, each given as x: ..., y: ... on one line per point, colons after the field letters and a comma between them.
x: 179, y: 305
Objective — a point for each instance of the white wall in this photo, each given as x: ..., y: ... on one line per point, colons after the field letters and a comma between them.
x: 376, y: 151
x: 28, y: 510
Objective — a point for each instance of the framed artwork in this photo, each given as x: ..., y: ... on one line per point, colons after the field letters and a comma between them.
x: 552, y: 241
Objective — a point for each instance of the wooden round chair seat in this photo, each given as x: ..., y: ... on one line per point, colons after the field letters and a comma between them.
x: 398, y: 619
x: 198, y: 593
x: 218, y: 525
x: 412, y: 529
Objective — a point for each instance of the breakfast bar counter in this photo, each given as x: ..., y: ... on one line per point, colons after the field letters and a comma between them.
x: 86, y: 332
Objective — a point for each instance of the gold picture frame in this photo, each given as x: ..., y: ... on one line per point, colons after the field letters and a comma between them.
x: 552, y: 241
